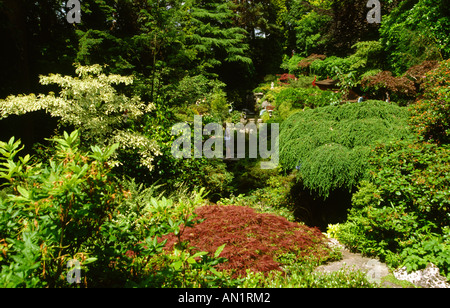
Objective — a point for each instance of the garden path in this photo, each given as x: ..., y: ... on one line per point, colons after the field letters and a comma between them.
x: 374, y: 269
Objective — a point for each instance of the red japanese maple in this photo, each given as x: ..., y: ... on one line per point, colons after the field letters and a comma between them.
x: 252, y: 239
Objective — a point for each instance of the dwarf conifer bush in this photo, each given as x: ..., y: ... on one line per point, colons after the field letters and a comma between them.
x: 329, y: 145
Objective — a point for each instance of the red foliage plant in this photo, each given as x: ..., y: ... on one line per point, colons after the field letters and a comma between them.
x: 418, y: 72
x: 384, y: 82
x: 285, y: 78
x: 252, y: 239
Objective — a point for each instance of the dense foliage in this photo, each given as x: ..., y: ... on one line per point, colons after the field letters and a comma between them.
x: 252, y: 240
x: 404, y: 205
x: 363, y: 110
x: 401, y: 213
x: 416, y: 31
x: 329, y: 146
x: 431, y: 113
x: 91, y: 104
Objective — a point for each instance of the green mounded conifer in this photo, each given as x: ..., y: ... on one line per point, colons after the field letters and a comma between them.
x: 329, y: 146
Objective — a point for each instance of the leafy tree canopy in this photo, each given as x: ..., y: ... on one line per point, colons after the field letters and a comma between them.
x: 415, y: 31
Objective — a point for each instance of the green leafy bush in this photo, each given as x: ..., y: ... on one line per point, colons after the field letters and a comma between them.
x: 434, y: 250
x: 139, y: 253
x: 430, y: 115
x: 72, y: 208
x: 273, y: 197
x: 52, y: 212
x: 415, y: 31
x: 368, y: 56
x: 309, y: 32
x: 405, y: 202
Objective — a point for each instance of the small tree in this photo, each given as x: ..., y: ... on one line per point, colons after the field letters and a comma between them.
x: 91, y: 104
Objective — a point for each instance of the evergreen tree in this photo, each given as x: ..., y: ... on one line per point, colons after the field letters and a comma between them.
x: 213, y: 37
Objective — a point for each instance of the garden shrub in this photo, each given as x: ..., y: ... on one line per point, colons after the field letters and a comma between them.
x: 193, y: 174
x: 289, y: 100
x: 143, y: 224
x: 430, y: 114
x: 252, y: 240
x: 310, y: 30
x: 52, y: 212
x: 284, y: 79
x: 327, y: 68
x: 302, y: 275
x: 330, y: 145
x: 402, y: 213
x: 404, y: 204
x: 290, y: 64
x: 398, y: 88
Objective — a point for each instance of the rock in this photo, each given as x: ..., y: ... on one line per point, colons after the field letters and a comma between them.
x: 426, y: 278
x: 375, y: 270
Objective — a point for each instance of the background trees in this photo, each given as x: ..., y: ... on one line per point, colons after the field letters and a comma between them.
x: 416, y: 31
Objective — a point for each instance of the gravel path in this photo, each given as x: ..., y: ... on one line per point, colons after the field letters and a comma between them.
x: 376, y: 271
